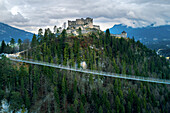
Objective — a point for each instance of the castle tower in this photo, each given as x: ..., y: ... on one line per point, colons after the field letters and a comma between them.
x: 89, y: 22
x: 124, y: 34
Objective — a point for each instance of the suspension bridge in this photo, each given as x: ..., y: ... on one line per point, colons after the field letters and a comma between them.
x: 94, y: 72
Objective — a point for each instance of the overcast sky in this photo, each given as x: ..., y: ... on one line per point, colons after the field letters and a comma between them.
x: 31, y: 15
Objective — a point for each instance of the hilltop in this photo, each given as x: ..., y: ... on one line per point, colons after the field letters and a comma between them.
x: 7, y: 32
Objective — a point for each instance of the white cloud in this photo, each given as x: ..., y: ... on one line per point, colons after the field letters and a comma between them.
x: 33, y: 14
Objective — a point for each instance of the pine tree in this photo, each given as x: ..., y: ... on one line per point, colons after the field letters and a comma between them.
x: 57, y: 100
x: 129, y: 107
x: 117, y: 104
x: 19, y: 44
x: 107, y: 37
x: 71, y: 109
x: 75, y: 104
x: 27, y: 100
x: 22, y: 84
x: 34, y: 98
x: 66, y: 55
x: 62, y: 41
x: 122, y: 109
x: 116, y: 86
x: 34, y: 41
x: 12, y: 42
x: 63, y: 86
x: 3, y: 46
x: 100, y: 110
x: 72, y: 57
x: 81, y: 110
x: 79, y: 31
x: 75, y: 86
x: 40, y: 36
x: 124, y: 68
x: 115, y: 66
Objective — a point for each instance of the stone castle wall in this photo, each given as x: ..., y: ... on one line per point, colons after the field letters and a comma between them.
x: 80, y: 21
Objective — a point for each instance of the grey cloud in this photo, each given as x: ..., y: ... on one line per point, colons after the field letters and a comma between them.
x: 41, y: 13
x: 7, y: 16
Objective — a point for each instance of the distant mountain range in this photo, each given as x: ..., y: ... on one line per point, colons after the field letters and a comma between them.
x: 150, y: 35
x: 7, y: 32
x: 154, y: 37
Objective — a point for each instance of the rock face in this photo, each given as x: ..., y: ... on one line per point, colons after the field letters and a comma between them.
x: 7, y: 32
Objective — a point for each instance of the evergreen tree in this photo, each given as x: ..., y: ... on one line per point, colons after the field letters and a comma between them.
x: 79, y: 31
x: 34, y: 41
x: 72, y: 57
x: 75, y: 104
x: 81, y: 110
x: 34, y: 98
x: 27, y: 100
x: 129, y: 108
x: 19, y: 44
x: 75, y: 86
x: 117, y: 104
x: 122, y: 109
x: 3, y: 46
x: 56, y: 96
x: 115, y: 66
x: 12, y: 42
x: 63, y: 86
x: 107, y: 37
x: 40, y: 35
x: 100, y: 110
x: 124, y: 68
x: 66, y: 55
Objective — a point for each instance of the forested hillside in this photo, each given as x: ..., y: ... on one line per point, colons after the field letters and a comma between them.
x: 101, y: 52
x: 44, y: 89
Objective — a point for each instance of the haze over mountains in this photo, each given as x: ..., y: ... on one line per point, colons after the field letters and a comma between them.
x: 7, y: 32
x: 149, y: 35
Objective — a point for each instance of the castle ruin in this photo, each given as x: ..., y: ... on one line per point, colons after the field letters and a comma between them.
x: 83, y: 24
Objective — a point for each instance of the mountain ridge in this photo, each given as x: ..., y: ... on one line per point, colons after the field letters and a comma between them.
x: 147, y: 35
x: 7, y: 32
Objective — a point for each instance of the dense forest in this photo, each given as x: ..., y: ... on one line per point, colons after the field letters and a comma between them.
x: 44, y: 89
